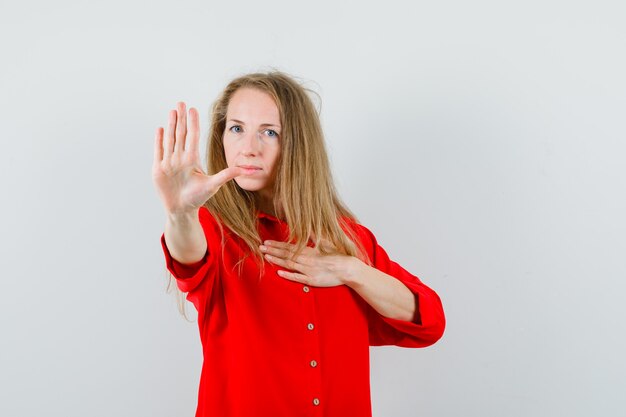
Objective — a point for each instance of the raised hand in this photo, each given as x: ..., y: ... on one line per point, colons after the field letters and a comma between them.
x: 182, y: 184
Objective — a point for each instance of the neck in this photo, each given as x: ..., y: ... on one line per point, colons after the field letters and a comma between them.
x: 266, y: 205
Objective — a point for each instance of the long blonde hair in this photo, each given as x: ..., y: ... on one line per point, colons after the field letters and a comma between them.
x: 305, y: 196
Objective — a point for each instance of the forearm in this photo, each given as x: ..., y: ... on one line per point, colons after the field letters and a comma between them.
x: 185, y: 237
x: 386, y: 294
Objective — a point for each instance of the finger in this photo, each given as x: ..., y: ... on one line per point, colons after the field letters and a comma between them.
x: 277, y: 252
x: 286, y: 263
x: 293, y: 276
x: 305, y: 261
x: 191, y: 143
x: 181, y: 127
x: 226, y: 175
x: 278, y: 243
x: 168, y: 146
x: 158, y: 146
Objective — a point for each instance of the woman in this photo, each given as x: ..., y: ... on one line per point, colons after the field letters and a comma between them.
x: 289, y: 336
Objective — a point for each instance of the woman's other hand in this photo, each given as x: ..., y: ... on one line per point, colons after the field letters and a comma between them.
x: 311, y: 267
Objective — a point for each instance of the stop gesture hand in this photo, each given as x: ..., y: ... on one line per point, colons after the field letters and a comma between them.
x: 177, y: 174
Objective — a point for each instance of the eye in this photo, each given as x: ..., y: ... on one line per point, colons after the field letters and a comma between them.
x: 273, y: 133
x: 235, y: 126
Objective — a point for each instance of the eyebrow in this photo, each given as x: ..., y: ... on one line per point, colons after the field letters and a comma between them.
x: 264, y: 124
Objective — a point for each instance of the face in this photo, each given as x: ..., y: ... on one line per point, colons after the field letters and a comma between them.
x: 252, y: 138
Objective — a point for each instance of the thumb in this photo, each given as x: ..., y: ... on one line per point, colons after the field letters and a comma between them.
x: 226, y: 175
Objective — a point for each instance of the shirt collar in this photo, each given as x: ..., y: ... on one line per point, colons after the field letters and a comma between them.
x: 262, y: 214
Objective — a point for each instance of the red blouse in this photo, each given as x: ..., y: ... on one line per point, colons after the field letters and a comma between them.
x: 279, y: 348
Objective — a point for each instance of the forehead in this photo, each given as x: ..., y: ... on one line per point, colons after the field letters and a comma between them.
x: 249, y: 104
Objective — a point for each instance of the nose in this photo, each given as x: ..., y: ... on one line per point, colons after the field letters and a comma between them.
x: 251, y: 142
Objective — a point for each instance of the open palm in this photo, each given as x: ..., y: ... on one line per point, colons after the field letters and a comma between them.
x: 177, y: 174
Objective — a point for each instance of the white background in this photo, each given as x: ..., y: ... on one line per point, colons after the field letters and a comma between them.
x: 482, y: 142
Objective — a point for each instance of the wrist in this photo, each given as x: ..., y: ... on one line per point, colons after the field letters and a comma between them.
x: 182, y: 217
x: 353, y: 272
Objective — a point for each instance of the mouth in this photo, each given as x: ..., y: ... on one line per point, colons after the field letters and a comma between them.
x: 250, y: 169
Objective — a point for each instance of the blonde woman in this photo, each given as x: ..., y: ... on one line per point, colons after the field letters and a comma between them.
x: 290, y: 289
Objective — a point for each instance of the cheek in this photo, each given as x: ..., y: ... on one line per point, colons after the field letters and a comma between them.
x: 274, y: 157
x: 228, y: 152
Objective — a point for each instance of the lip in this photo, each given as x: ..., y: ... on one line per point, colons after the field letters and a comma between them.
x: 249, y: 166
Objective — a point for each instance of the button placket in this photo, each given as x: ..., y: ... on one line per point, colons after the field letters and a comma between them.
x: 314, y: 351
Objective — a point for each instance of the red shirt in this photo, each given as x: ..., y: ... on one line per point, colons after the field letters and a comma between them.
x: 279, y: 348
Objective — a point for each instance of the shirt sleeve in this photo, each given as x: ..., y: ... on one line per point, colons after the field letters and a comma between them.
x: 197, y: 279
x: 429, y: 322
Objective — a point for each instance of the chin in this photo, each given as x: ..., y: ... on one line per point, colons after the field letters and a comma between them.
x: 250, y: 184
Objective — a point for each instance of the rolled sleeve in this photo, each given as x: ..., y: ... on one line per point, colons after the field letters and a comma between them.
x: 427, y: 326
x: 197, y: 278
x: 188, y: 276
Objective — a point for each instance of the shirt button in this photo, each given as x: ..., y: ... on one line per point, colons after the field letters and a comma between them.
x: 305, y: 289
x: 316, y: 401
x: 313, y: 364
x: 310, y: 326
